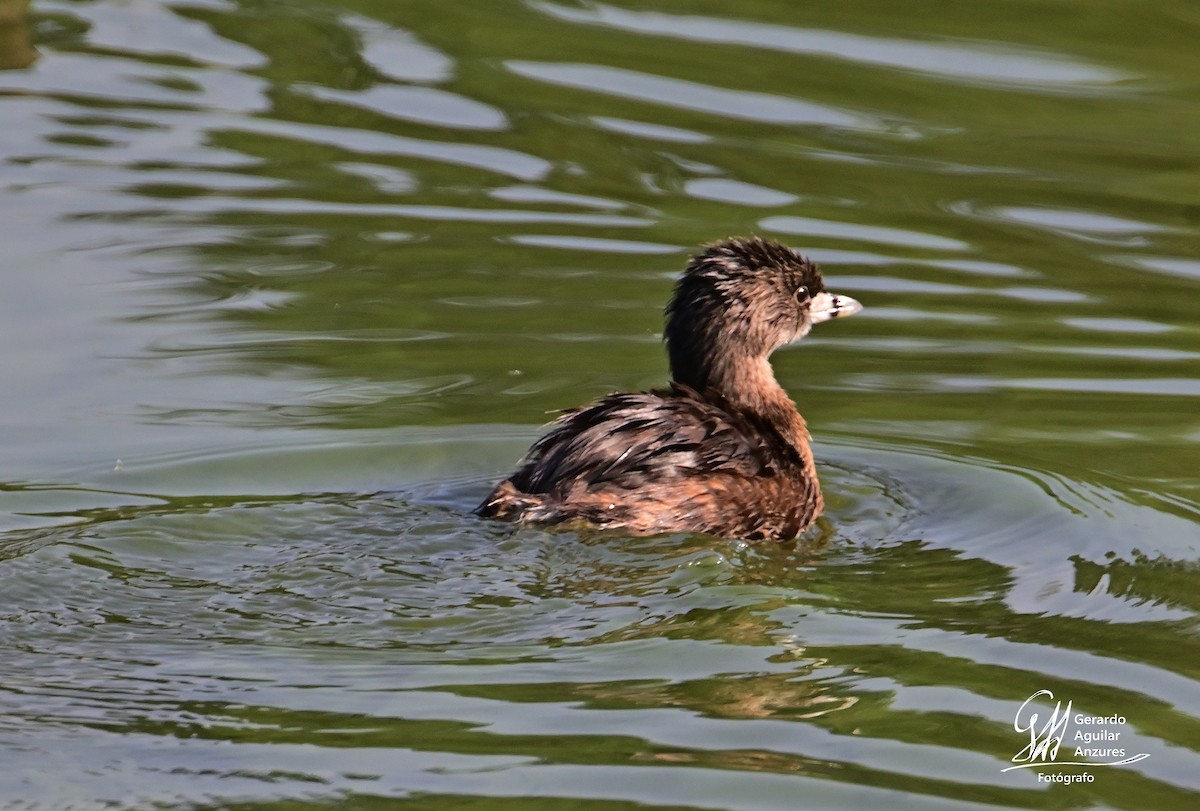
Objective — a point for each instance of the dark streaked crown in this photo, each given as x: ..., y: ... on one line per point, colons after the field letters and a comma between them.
x: 740, y: 257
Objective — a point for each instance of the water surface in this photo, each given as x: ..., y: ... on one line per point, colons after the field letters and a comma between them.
x: 287, y: 286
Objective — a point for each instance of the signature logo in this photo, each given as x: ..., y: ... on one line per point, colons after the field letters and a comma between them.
x: 1089, y: 736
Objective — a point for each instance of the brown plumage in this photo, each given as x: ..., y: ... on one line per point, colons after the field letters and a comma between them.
x: 722, y: 450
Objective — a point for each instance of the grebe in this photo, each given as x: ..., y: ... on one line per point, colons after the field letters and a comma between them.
x: 722, y: 450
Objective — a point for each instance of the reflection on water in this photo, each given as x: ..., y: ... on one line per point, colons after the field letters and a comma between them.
x: 992, y: 63
x: 280, y: 281
x: 391, y: 625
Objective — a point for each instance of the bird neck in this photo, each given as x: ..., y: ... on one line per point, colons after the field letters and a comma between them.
x: 748, y: 386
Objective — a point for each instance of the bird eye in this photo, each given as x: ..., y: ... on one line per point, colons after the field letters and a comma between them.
x: 801, y: 294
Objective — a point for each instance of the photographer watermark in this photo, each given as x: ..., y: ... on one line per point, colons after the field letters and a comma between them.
x: 1098, y: 737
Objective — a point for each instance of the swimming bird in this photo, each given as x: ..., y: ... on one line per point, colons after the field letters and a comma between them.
x: 722, y: 449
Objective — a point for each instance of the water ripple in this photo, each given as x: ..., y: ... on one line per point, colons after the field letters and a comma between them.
x: 655, y: 132
x: 738, y: 192
x: 399, y: 54
x: 808, y: 226
x: 279, y: 205
x: 425, y: 105
x: 154, y: 30
x: 112, y: 79
x: 744, y: 105
x: 597, y: 244
x: 989, y: 63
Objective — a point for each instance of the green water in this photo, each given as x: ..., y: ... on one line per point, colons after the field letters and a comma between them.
x: 286, y: 287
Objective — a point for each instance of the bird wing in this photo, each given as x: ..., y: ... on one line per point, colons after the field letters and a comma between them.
x: 629, y: 440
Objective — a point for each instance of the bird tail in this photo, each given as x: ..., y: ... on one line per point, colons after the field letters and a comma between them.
x: 508, y: 503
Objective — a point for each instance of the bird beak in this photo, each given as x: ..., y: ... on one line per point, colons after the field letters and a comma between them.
x: 827, y: 306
